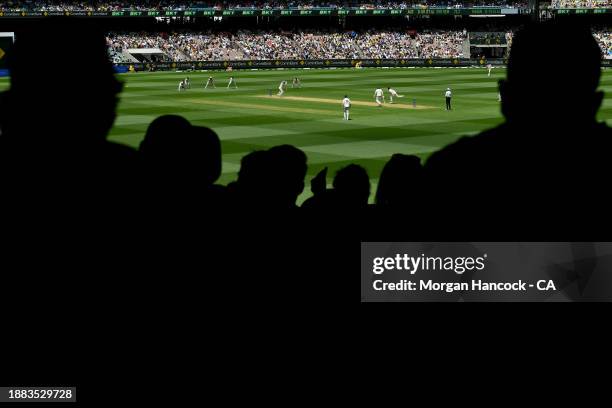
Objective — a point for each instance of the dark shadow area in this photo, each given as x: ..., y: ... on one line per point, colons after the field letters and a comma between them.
x: 541, y: 175
x: 130, y: 244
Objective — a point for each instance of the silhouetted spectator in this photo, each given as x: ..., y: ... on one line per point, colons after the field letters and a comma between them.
x: 542, y: 173
x: 182, y: 161
x: 207, y: 146
x: 288, y: 165
x: 66, y: 189
x: 253, y: 185
x: 318, y: 185
x: 162, y: 134
x: 270, y: 180
x: 400, y: 182
x: 352, y: 186
x: 56, y: 116
x: 162, y: 147
x: 350, y: 192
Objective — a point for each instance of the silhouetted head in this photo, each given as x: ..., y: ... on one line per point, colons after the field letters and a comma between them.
x: 352, y: 186
x: 62, y: 82
x: 564, y: 93
x: 165, y: 137
x: 289, y: 166
x: 399, y: 180
x: 253, y: 173
x: 206, y: 153
x: 184, y: 153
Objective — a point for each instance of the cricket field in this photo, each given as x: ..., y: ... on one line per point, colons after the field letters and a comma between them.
x: 310, y: 117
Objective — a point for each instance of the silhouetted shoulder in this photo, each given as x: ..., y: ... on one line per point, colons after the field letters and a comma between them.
x: 459, y: 152
x: 120, y: 151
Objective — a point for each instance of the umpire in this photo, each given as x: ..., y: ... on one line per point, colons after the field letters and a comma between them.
x: 448, y: 96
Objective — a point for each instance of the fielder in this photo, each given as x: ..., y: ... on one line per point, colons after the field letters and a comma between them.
x: 489, y: 67
x: 231, y: 82
x: 296, y: 83
x: 181, y: 86
x: 393, y: 93
x: 187, y: 83
x: 379, y: 95
x: 210, y: 82
x: 346, y: 105
x: 282, y: 88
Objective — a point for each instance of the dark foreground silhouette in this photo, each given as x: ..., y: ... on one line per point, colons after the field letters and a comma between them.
x: 117, y: 239
x: 179, y: 165
x: 543, y: 174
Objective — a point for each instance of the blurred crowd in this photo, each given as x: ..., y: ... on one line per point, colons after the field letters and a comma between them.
x: 483, y: 38
x: 117, y: 44
x: 581, y: 3
x: 141, y: 5
x: 604, y: 38
x: 262, y: 45
x: 19, y: 5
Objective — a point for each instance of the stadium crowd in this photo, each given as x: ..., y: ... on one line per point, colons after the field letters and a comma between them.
x: 493, y: 38
x: 140, y: 5
x: 589, y: 4
x: 262, y: 45
x: 604, y: 39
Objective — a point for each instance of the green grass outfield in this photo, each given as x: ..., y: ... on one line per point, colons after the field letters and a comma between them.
x: 310, y: 118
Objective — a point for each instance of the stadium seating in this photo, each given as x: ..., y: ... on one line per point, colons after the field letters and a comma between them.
x: 18, y: 5
x: 556, y: 4
x: 604, y: 38
x: 263, y: 45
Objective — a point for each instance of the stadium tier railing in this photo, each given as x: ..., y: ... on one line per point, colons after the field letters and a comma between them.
x: 429, y: 11
x: 484, y: 10
x: 328, y: 63
x: 582, y: 11
x: 338, y: 63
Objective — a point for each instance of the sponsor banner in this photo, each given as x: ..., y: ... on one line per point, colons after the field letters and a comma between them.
x: 583, y: 11
x: 486, y: 271
x: 330, y: 63
x: 252, y: 12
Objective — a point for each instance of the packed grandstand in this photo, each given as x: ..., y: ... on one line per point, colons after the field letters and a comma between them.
x: 310, y: 44
x: 142, y: 5
x: 306, y: 44
x: 20, y: 5
x: 252, y: 42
